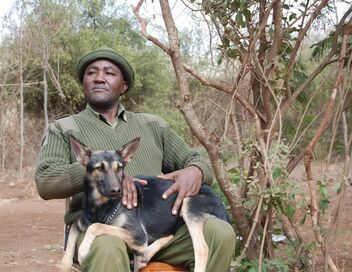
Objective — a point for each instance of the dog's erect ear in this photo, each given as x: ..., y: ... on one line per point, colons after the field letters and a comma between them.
x: 82, y: 153
x: 129, y: 149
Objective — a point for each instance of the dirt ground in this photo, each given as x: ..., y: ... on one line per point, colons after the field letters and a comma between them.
x: 31, y: 235
x: 31, y: 229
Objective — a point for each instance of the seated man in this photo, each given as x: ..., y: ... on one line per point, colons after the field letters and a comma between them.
x: 106, y: 125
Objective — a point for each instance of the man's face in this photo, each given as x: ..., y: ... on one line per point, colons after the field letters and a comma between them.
x: 103, y: 84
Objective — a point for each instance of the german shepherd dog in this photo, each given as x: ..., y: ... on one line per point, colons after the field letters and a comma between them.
x: 145, y: 229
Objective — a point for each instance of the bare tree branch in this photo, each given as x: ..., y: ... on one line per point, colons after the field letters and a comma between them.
x: 300, y: 37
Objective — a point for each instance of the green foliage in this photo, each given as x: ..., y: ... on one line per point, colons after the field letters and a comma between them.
x: 73, y: 28
x: 299, y: 75
x: 226, y: 150
x: 321, y: 47
x: 290, y: 249
x: 234, y: 175
x: 337, y: 187
x: 324, y: 199
x: 339, y: 148
x: 267, y: 265
x: 281, y: 194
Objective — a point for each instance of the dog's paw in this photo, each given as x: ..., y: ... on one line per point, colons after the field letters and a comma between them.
x: 139, y: 262
x: 63, y: 267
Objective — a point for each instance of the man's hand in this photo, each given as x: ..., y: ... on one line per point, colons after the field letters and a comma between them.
x: 187, y: 183
x: 130, y: 196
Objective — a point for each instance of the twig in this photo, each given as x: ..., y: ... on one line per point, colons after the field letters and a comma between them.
x: 298, y: 43
x: 249, y: 238
x: 143, y: 23
x: 264, y: 178
x: 309, y: 151
x: 260, y: 261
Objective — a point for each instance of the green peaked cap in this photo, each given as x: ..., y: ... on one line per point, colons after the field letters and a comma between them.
x: 108, y: 54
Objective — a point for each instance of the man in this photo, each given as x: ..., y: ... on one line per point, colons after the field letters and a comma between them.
x: 106, y: 125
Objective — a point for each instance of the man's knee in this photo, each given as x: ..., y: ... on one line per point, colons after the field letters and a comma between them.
x: 219, y: 232
x: 108, y: 254
x: 109, y: 245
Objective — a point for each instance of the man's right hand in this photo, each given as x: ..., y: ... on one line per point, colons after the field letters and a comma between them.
x: 130, y: 196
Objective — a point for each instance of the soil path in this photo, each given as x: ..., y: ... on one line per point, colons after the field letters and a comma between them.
x: 31, y: 230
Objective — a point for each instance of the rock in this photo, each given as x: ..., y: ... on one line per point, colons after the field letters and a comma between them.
x: 12, y: 184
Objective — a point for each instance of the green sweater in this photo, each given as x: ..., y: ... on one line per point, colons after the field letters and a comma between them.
x: 161, y: 150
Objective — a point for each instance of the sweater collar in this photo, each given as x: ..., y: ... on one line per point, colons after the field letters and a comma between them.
x: 121, y: 113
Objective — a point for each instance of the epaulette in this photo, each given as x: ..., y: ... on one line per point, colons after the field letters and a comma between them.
x: 66, y: 123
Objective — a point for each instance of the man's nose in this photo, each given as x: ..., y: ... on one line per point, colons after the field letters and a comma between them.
x: 99, y: 77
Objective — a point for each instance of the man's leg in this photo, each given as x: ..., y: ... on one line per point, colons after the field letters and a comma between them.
x: 220, y: 238
x: 179, y: 251
x: 108, y: 254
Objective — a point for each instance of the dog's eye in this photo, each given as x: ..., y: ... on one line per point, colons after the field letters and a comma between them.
x: 100, y: 168
x: 117, y: 167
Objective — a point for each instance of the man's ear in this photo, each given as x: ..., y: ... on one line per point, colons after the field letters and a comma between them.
x: 81, y: 152
x: 124, y: 87
x: 129, y: 149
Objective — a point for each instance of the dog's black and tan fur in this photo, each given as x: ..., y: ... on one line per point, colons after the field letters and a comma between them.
x: 145, y: 229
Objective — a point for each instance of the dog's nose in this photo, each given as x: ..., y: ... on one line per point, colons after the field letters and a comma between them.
x: 115, y: 190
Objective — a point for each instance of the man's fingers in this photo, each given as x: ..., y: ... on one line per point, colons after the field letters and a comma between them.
x: 134, y: 190
x: 178, y: 202
x: 134, y: 196
x: 125, y: 192
x: 167, y: 176
x: 129, y: 196
x: 177, y: 205
x: 172, y: 189
x: 141, y: 181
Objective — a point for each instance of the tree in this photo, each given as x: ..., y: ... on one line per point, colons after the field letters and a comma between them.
x: 42, y: 27
x: 54, y: 35
x: 263, y: 41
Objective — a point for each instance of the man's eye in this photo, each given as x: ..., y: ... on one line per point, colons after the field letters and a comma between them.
x: 110, y: 73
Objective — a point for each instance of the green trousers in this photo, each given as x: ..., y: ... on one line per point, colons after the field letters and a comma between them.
x: 110, y: 254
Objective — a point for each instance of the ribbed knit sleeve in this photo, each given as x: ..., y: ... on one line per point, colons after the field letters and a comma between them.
x: 56, y: 176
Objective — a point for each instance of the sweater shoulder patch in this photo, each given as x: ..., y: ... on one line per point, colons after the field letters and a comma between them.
x: 67, y: 123
x: 150, y: 118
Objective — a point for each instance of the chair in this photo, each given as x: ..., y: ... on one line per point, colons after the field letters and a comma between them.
x: 162, y: 267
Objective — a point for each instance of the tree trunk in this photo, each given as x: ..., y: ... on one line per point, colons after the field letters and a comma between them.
x: 45, y: 83
x: 21, y: 99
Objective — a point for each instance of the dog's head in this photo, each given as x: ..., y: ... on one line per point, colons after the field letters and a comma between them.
x: 105, y: 169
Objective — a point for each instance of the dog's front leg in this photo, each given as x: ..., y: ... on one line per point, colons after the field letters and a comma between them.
x: 141, y: 260
x: 67, y: 260
x: 98, y: 229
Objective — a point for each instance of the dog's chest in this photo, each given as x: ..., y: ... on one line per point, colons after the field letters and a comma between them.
x: 119, y: 220
x: 126, y: 219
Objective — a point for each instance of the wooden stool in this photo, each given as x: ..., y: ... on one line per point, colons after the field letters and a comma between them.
x: 162, y: 267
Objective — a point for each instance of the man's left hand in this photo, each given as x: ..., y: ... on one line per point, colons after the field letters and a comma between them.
x: 187, y: 183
